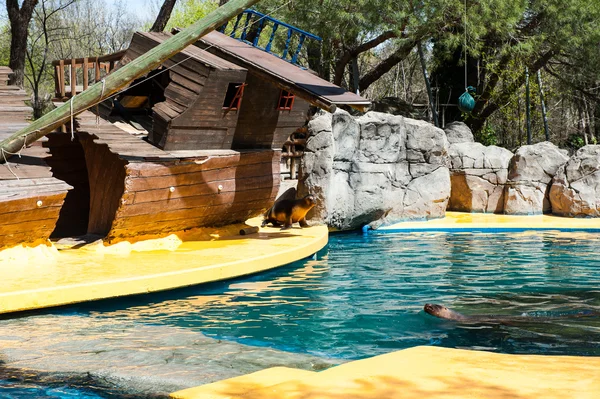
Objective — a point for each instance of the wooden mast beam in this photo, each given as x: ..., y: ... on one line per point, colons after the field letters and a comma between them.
x: 121, y: 77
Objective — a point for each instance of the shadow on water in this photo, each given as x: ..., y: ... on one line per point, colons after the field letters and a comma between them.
x: 18, y: 383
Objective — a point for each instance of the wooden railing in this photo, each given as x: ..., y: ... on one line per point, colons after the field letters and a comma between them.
x: 249, y: 25
x: 74, y: 75
x: 292, y: 152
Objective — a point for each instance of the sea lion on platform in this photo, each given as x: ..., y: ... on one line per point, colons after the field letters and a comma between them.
x: 444, y: 313
x: 287, y: 210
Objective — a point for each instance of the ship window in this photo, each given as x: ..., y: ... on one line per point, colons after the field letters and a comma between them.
x: 233, y: 97
x: 286, y: 101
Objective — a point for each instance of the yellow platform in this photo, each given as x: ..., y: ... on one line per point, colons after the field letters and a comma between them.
x: 52, y: 278
x: 426, y: 372
x: 457, y: 221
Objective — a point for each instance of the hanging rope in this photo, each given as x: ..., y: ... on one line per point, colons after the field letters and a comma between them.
x: 465, y: 45
x: 466, y: 102
x: 18, y: 153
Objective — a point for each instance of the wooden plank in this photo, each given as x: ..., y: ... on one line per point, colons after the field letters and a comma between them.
x: 73, y: 77
x: 187, y: 218
x: 195, y: 202
x: 214, y: 162
x: 15, y: 218
x: 204, y: 188
x: 85, y: 73
x: 149, y: 183
x: 194, y: 86
x: 61, y: 66
x: 22, y: 204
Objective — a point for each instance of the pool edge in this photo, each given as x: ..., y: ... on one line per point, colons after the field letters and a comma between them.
x: 285, y: 250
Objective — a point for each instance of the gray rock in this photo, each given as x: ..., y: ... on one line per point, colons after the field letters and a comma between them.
x: 374, y: 169
x: 530, y: 173
x: 131, y: 357
x: 478, y: 175
x: 458, y: 132
x: 575, y: 190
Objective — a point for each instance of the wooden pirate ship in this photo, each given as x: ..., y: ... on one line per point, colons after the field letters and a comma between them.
x: 195, y: 142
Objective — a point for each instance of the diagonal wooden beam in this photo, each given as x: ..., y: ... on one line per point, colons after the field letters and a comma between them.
x: 121, y: 77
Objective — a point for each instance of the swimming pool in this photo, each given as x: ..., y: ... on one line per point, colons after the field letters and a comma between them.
x: 364, y: 296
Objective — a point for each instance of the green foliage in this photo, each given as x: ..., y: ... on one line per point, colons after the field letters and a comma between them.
x: 187, y: 12
x: 487, y: 136
x: 4, y: 44
x: 575, y: 142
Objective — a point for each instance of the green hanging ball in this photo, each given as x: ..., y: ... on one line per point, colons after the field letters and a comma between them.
x: 466, y: 102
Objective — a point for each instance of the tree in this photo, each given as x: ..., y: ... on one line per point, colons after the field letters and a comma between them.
x: 547, y: 31
x: 187, y: 12
x: 163, y: 16
x: 19, y: 29
x: 44, y: 30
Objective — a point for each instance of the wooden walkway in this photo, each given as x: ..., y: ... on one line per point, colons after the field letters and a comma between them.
x: 30, y: 197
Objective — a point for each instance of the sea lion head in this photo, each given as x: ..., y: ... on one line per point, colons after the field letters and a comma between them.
x: 442, y: 312
x: 309, y: 201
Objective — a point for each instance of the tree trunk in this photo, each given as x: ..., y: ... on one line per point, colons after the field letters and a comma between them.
x: 163, y: 16
x: 19, y: 28
x: 484, y: 108
x: 386, y: 65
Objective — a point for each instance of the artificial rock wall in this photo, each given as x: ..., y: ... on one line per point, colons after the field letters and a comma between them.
x: 374, y: 169
x: 380, y: 168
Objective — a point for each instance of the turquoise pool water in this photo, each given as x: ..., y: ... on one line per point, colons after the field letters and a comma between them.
x: 364, y: 296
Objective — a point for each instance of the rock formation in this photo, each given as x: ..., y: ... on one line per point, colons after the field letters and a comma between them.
x: 458, y: 132
x: 377, y: 168
x: 529, y: 177
x: 575, y: 190
x: 478, y: 175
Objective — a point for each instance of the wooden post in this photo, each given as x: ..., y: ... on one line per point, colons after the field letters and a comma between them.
x: 57, y: 82
x: 62, y: 79
x: 123, y: 76
x: 97, y: 71
x: 85, y: 73
x: 73, y: 71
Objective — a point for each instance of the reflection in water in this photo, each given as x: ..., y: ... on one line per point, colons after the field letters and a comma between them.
x: 365, y: 296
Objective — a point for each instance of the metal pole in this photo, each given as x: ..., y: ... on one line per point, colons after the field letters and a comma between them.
x: 527, y: 106
x: 121, y: 77
x: 544, y: 116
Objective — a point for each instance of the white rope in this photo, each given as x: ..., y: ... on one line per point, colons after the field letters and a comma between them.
x: 72, y: 131
x: 18, y: 153
x: 465, y: 47
x: 97, y: 106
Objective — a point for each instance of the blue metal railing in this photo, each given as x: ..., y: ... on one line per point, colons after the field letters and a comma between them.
x: 248, y: 18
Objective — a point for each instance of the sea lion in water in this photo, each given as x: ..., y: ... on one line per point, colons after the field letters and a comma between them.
x: 444, y: 313
x: 287, y: 210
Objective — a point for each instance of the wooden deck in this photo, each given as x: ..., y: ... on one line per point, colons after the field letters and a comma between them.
x: 30, y: 197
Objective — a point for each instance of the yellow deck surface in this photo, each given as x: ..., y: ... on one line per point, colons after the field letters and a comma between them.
x: 427, y: 372
x: 78, y: 275
x: 473, y: 221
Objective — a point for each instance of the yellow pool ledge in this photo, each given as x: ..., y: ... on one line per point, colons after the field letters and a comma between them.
x: 473, y: 221
x: 423, y: 372
x: 55, y: 278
